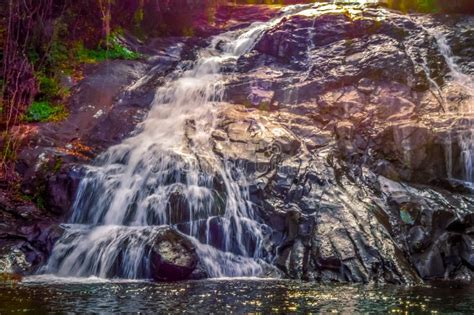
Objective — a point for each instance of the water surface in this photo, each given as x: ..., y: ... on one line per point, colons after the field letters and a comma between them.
x: 37, y: 295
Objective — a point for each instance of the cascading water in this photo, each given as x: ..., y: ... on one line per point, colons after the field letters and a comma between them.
x: 167, y: 174
x: 463, y: 129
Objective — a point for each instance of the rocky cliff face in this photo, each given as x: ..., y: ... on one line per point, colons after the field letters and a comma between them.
x: 357, y: 186
x: 353, y: 126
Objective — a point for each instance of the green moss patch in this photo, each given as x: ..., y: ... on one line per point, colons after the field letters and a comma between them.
x: 44, y: 111
x: 114, y: 50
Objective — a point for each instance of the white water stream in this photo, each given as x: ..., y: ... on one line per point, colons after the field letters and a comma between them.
x: 463, y: 129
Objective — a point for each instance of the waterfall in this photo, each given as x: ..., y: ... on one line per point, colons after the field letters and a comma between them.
x: 168, y: 174
x: 463, y: 130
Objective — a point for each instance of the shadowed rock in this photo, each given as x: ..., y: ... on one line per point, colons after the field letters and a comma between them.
x: 172, y: 257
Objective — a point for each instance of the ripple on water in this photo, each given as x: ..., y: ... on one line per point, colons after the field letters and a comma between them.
x: 53, y: 294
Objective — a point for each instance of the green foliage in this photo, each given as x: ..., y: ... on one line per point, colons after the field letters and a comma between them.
x: 39, y: 111
x: 33, y: 56
x: 50, y: 88
x: 58, y: 163
x: 44, y: 111
x: 114, y: 50
x: 58, y: 56
x: 38, y: 199
x: 40, y: 202
x: 428, y: 6
x: 25, y: 197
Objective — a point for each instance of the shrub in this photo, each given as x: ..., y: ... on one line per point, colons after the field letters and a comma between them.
x: 49, y: 87
x: 58, y: 56
x: 44, y: 111
x: 114, y: 50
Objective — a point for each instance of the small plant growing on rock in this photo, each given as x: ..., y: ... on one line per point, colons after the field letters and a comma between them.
x: 113, y: 50
x: 44, y: 111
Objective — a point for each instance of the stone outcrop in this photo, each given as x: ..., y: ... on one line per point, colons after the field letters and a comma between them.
x: 357, y: 188
x: 173, y: 256
x: 27, y: 235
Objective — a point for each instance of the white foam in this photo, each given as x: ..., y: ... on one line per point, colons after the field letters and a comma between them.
x: 50, y: 278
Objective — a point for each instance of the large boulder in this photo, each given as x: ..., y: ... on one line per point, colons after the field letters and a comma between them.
x: 173, y: 256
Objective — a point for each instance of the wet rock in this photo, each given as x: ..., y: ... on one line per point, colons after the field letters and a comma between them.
x: 417, y: 239
x: 13, y: 261
x: 419, y: 156
x: 61, y: 190
x: 436, y: 246
x: 431, y: 265
x: 173, y: 256
x: 27, y: 234
x: 467, y: 250
x: 345, y: 136
x: 182, y: 210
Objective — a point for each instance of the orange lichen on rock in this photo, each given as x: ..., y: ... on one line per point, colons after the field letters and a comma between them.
x: 78, y: 149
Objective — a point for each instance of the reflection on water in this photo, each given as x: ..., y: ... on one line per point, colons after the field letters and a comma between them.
x: 231, y: 295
